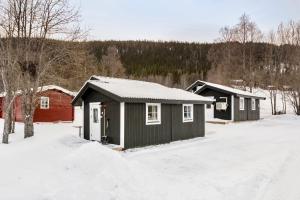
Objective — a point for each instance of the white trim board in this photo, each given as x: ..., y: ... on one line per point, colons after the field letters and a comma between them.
x: 232, y: 107
x: 122, y: 124
x: 82, y: 119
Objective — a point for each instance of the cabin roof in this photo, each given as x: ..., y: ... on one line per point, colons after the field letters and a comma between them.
x: 223, y: 88
x: 141, y: 91
x: 46, y: 88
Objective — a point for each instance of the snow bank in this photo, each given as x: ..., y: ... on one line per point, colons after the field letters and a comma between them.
x: 266, y: 104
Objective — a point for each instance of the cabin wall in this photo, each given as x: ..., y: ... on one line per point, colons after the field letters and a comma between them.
x: 247, y: 113
x: 185, y: 130
x: 112, y: 113
x: 60, y: 108
x: 172, y: 128
x: 220, y: 114
x: 1, y: 107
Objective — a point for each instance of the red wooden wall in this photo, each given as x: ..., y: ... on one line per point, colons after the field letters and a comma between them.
x: 60, y: 108
x: 1, y: 106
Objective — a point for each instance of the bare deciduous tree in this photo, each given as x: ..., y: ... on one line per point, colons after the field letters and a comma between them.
x: 33, y: 24
x: 111, y: 62
x: 8, y: 66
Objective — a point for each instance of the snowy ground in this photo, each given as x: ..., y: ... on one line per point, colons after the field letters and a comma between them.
x: 239, y: 161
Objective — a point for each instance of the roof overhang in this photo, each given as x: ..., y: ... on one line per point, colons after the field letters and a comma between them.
x: 77, y: 101
x: 193, y: 85
x: 227, y: 92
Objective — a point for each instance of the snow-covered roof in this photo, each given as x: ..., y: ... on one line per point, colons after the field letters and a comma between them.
x: 228, y: 89
x: 46, y: 88
x: 134, y: 89
x: 55, y: 87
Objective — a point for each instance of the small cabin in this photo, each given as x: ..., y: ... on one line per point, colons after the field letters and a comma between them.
x: 131, y: 113
x: 53, y: 105
x: 231, y: 104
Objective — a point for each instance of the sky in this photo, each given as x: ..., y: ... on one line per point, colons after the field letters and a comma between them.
x: 180, y: 20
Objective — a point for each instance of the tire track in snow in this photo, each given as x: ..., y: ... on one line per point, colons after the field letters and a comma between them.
x: 286, y: 184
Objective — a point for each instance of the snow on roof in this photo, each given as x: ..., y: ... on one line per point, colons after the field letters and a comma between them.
x: 55, y: 87
x: 230, y: 89
x: 46, y: 88
x: 126, y: 88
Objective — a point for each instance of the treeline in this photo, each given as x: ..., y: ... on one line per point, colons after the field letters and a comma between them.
x: 218, y: 62
x: 165, y: 62
x: 143, y: 58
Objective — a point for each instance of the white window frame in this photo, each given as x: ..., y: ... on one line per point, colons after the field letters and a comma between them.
x: 42, y: 104
x: 192, y: 113
x: 242, y: 105
x: 253, y: 104
x: 158, y: 120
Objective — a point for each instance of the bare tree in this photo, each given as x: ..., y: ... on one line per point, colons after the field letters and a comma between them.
x: 247, y: 33
x: 111, y: 62
x: 33, y: 25
x: 8, y: 66
x: 290, y: 34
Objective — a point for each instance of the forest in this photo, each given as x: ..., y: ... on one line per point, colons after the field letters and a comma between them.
x: 168, y: 60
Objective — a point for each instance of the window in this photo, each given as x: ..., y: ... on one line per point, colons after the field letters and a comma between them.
x: 223, y: 99
x: 188, y: 112
x: 95, y: 115
x: 253, y: 104
x: 242, y: 103
x: 153, y: 113
x: 44, y: 103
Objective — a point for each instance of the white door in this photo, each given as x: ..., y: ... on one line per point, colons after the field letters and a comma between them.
x: 95, y: 121
x: 209, y: 114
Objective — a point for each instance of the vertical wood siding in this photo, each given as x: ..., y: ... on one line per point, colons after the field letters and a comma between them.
x: 172, y: 128
x: 221, y: 114
x: 112, y: 113
x: 60, y: 108
x: 247, y: 113
x: 186, y: 130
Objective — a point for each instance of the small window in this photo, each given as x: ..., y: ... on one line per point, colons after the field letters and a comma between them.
x: 253, y: 104
x: 208, y: 106
x: 44, y: 103
x: 188, y: 112
x: 153, y: 113
x: 95, y: 115
x: 223, y: 99
x: 242, y: 103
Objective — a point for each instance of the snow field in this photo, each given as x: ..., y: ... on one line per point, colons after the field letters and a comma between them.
x: 249, y: 160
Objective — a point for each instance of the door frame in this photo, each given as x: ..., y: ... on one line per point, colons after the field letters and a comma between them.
x: 93, y: 104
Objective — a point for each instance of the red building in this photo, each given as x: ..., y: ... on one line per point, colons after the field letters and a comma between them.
x: 53, y: 105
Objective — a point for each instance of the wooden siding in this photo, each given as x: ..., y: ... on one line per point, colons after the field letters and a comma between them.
x: 1, y: 107
x: 60, y: 108
x: 186, y: 130
x: 172, y: 128
x: 220, y: 114
x: 112, y: 113
x: 247, y: 113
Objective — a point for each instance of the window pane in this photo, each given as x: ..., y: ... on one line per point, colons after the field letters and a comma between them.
x: 154, y: 109
x: 187, y: 112
x: 152, y: 113
x: 149, y: 109
x: 95, y: 115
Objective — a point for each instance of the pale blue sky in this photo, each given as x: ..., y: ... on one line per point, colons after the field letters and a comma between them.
x: 183, y: 20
